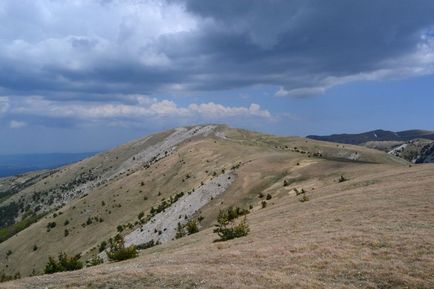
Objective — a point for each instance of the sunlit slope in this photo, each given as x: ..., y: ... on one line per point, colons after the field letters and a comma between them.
x: 129, y: 182
x: 373, y: 231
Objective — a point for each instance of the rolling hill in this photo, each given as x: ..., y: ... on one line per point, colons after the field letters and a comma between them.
x: 416, y: 146
x: 376, y: 135
x: 321, y: 215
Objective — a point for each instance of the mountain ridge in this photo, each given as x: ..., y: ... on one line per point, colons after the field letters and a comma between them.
x: 375, y: 135
x: 416, y: 146
x: 145, y: 189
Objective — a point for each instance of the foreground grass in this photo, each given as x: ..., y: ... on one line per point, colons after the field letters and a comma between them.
x: 375, y: 236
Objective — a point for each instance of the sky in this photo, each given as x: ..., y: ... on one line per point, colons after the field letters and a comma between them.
x: 87, y: 75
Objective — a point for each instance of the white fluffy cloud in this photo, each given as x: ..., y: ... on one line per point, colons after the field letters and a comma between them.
x: 143, y: 107
x: 94, y: 31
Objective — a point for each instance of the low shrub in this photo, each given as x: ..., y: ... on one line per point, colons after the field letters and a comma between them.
x: 64, y: 263
x: 118, y: 251
x: 180, y: 232
x: 102, y: 246
x: 235, y: 212
x: 50, y: 226
x: 191, y: 227
x: 89, y: 221
x: 227, y: 229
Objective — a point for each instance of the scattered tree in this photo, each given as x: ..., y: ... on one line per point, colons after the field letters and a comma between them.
x: 226, y: 227
x: 102, y: 246
x: 64, y: 263
x: 118, y: 251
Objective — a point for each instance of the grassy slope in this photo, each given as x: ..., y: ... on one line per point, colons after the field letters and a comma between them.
x: 291, y: 243
x: 374, y: 231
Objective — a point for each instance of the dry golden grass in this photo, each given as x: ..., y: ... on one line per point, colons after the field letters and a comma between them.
x: 375, y: 230
x: 347, y: 236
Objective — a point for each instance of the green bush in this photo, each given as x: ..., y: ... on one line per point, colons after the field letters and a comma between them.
x: 102, y: 246
x: 89, y: 221
x: 235, y: 212
x: 192, y: 227
x: 180, y: 232
x: 64, y: 263
x: 51, y: 225
x: 120, y: 228
x: 118, y: 251
x: 227, y: 229
x: 141, y: 215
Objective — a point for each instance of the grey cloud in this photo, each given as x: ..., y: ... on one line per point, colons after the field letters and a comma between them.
x: 300, y: 44
x: 41, y: 111
x: 94, y: 48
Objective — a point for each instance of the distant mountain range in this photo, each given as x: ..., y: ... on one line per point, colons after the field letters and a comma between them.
x: 376, y: 135
x: 21, y: 163
x: 416, y: 146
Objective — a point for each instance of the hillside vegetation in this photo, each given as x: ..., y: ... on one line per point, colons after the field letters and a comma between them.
x: 416, y: 146
x: 319, y: 215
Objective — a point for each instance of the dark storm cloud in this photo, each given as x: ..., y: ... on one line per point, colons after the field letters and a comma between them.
x: 300, y: 43
x: 110, y: 47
